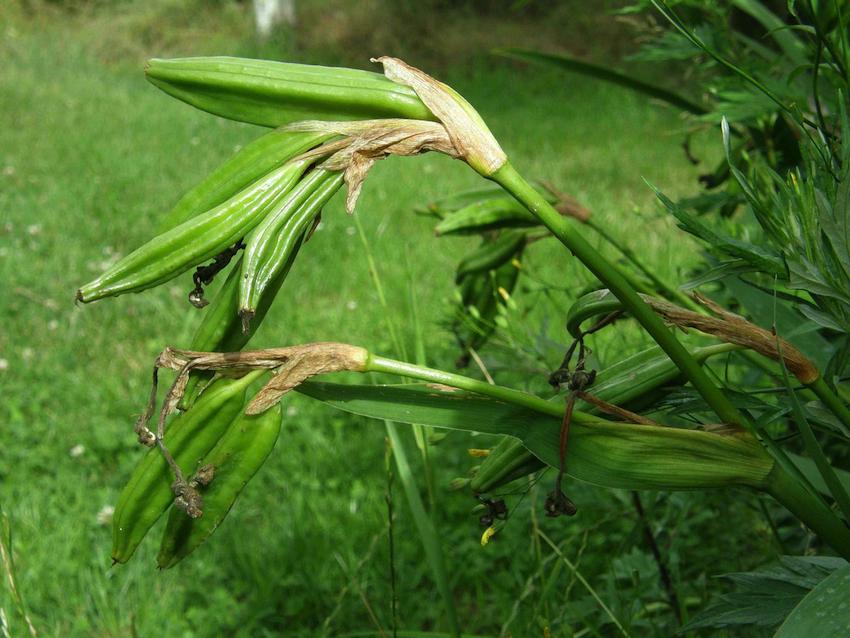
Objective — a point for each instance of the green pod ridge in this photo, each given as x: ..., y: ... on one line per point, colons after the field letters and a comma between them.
x: 270, y: 93
x: 234, y: 460
x: 592, y: 304
x: 196, y: 240
x: 221, y: 328
x: 490, y: 255
x: 448, y: 204
x: 245, y: 167
x: 269, y: 247
x: 634, y: 376
x: 483, y: 295
x: 190, y: 436
x: 508, y: 461
x: 451, y: 203
x: 621, y: 384
x: 488, y: 214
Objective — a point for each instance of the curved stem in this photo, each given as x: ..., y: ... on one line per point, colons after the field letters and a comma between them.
x: 816, y: 515
x: 610, y: 275
x: 660, y: 285
x: 376, y: 363
x: 810, y: 509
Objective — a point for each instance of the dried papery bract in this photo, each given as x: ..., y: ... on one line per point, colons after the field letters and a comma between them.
x: 461, y: 133
x: 468, y: 132
x: 733, y: 328
x: 292, y: 366
x: 368, y: 141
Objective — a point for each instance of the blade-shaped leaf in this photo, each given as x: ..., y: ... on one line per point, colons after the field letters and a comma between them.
x: 608, y: 454
x: 824, y: 612
x: 766, y: 596
x: 603, y: 73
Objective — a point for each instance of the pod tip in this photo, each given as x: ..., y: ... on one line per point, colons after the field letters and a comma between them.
x: 246, y: 316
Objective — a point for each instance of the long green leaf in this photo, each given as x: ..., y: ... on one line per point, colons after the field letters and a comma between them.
x: 791, y: 45
x: 824, y: 612
x: 609, y: 454
x: 603, y: 73
x: 427, y: 531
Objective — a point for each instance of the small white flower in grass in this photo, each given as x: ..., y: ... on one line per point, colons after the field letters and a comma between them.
x: 52, y: 324
x: 350, y: 230
x: 351, y: 305
x: 291, y: 411
x: 27, y: 354
x: 104, y: 516
x: 4, y: 364
x: 34, y: 229
x: 78, y: 450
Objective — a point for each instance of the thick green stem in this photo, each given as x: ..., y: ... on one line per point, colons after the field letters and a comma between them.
x: 516, y: 397
x: 819, y: 518
x: 661, y: 286
x: 610, y: 275
x: 806, y: 506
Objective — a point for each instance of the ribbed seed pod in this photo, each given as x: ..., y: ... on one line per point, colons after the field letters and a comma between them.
x: 481, y: 294
x: 196, y: 240
x: 256, y: 159
x: 189, y: 437
x: 490, y: 255
x: 274, y: 93
x: 625, y: 384
x: 508, y: 461
x: 487, y: 214
x: 232, y: 463
x: 269, y: 247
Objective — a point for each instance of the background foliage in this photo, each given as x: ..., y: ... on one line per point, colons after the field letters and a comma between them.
x: 92, y: 155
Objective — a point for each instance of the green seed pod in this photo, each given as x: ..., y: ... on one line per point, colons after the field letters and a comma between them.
x: 189, y: 437
x: 490, y: 255
x: 269, y: 247
x: 488, y: 214
x: 631, y: 383
x: 247, y: 166
x: 275, y: 93
x: 451, y: 203
x: 196, y: 240
x: 592, y: 304
x: 508, y: 461
x: 221, y: 328
x: 232, y: 463
x: 482, y: 295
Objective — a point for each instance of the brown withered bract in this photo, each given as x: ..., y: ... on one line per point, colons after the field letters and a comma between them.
x: 733, y: 328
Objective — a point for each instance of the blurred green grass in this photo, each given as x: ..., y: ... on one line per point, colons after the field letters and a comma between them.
x: 91, y: 155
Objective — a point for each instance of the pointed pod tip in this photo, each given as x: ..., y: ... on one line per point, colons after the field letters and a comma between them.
x: 165, y: 563
x: 246, y: 316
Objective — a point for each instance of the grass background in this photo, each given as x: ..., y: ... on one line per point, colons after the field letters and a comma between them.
x: 91, y: 155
